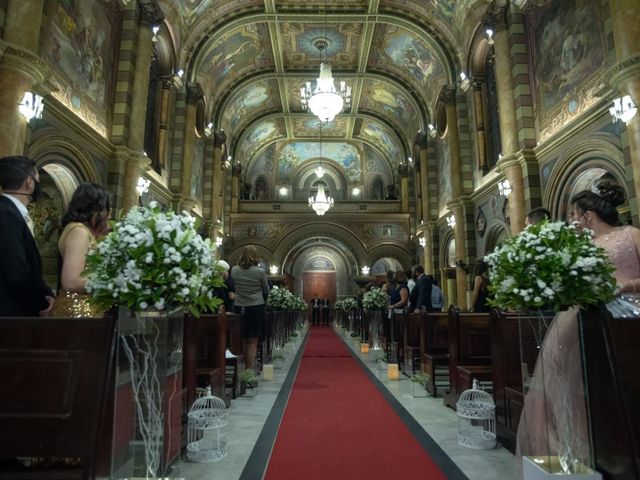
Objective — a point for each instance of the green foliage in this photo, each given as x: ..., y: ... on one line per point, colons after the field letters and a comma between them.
x: 421, y: 378
x: 154, y: 260
x: 249, y: 377
x: 375, y: 299
x: 281, y: 299
x: 550, y: 264
x: 346, y: 304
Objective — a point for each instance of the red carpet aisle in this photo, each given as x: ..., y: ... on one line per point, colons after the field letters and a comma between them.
x: 337, y: 425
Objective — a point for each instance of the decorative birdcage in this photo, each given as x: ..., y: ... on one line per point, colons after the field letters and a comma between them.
x: 476, y: 412
x: 205, y: 440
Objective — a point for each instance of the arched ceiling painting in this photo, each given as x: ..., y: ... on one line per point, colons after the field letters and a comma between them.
x: 251, y: 58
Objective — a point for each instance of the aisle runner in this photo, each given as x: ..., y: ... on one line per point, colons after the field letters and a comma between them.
x: 337, y: 425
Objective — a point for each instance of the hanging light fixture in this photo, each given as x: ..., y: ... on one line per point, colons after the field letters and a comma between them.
x: 324, y: 101
x: 321, y: 203
x: 623, y: 109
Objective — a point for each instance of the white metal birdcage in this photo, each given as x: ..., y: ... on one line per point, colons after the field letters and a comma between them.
x: 205, y: 440
x: 476, y: 412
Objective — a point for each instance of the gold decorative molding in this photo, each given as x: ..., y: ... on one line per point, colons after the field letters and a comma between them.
x: 624, y: 70
x: 26, y: 62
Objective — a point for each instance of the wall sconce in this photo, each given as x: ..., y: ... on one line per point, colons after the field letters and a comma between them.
x: 208, y: 130
x: 451, y: 221
x: 623, y: 109
x: 410, y: 160
x: 365, y: 270
x: 355, y: 191
x: 283, y: 191
x: 273, y: 269
x: 142, y: 186
x: 422, y: 241
x: 489, y: 32
x: 432, y: 131
x: 464, y: 82
x: 155, y: 29
x: 30, y: 106
x: 504, y: 187
x: 219, y: 241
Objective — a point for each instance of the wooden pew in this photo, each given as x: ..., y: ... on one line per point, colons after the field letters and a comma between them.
x: 53, y: 390
x: 469, y: 352
x: 434, y: 332
x: 233, y: 366
x: 411, y: 342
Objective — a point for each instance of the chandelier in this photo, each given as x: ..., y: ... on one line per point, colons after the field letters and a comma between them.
x: 623, y: 109
x: 321, y: 203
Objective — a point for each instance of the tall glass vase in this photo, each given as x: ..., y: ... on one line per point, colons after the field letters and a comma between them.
x: 148, y: 394
x: 375, y: 329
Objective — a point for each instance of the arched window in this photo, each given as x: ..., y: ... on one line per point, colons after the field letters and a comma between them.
x: 262, y: 189
x: 492, y: 127
x: 377, y: 190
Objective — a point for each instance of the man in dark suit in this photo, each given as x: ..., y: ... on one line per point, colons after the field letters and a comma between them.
x: 23, y: 291
x: 326, y: 310
x: 420, y: 298
x: 315, y: 310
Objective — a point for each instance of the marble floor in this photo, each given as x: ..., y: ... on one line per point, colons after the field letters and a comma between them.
x: 248, y: 415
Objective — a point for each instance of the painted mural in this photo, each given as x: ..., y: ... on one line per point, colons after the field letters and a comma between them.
x: 80, y: 43
x: 404, y: 52
x: 319, y: 263
x: 259, y: 134
x: 197, y: 166
x: 313, y: 127
x: 375, y: 164
x: 382, y: 96
x: 249, y: 101
x: 263, y: 164
x: 233, y: 54
x: 295, y: 153
x: 299, y: 49
x: 375, y: 132
x: 444, y: 174
x: 569, y: 48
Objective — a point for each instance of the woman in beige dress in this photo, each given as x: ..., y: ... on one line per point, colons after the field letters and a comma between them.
x: 87, y: 218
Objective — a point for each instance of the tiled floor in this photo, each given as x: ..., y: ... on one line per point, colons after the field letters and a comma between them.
x: 247, y: 417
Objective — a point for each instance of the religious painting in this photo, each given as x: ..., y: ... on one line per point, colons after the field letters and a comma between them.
x: 233, y: 55
x: 379, y: 135
x: 568, y: 48
x: 197, y: 166
x: 248, y: 102
x: 311, y: 126
x: 382, y: 96
x: 81, y: 43
x: 404, y: 52
x: 260, y: 134
x: 374, y: 162
x: 295, y: 153
x: 302, y: 39
x: 263, y: 164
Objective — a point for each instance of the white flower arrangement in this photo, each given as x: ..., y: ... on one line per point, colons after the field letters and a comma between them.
x: 153, y: 260
x: 550, y: 264
x: 281, y: 299
x: 375, y: 299
x: 299, y: 303
x: 346, y: 304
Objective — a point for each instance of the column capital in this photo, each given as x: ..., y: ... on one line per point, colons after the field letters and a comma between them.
x: 622, y: 71
x: 422, y: 139
x: 496, y: 18
x: 26, y: 62
x: 236, y: 169
x: 150, y: 14
x: 448, y: 94
x: 507, y: 161
x: 476, y: 84
x: 194, y: 92
x: 219, y: 138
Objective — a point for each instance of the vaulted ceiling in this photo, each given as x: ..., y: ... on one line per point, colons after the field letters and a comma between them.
x: 252, y: 56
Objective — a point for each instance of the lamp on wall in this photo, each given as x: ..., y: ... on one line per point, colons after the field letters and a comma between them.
x: 273, y: 269
x: 451, y: 221
x: 465, y: 83
x: 623, y: 109
x: 489, y: 32
x: 30, y: 106
x: 324, y: 101
x: 432, y: 131
x: 365, y: 270
x: 142, y: 186
x: 422, y: 241
x: 504, y: 187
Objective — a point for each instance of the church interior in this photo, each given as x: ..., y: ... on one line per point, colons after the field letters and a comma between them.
x: 449, y: 121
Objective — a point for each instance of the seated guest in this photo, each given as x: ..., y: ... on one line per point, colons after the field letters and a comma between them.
x: 87, y: 218
x: 227, y: 292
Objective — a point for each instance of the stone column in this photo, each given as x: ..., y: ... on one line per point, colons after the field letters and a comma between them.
x: 195, y: 95
x: 20, y: 69
x: 236, y: 171
x: 422, y: 143
x: 219, y: 139
x: 149, y: 15
x: 625, y: 75
x: 508, y: 121
x: 403, y: 171
x: 456, y: 192
x: 161, y: 150
x: 481, y: 138
x: 429, y: 261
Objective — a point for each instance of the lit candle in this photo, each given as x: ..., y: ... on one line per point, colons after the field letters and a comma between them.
x: 364, y: 347
x: 392, y: 371
x: 267, y: 371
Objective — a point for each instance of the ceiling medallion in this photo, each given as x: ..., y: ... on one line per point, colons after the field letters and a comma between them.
x: 324, y: 101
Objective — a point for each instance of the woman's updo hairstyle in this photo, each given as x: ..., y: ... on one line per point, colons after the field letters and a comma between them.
x: 604, y: 203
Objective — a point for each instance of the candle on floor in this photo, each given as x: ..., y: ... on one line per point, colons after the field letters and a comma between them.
x: 364, y: 347
x: 392, y: 371
x: 267, y: 372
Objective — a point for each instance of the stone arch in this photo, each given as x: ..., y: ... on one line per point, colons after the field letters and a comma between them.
x: 497, y: 233
x: 587, y: 155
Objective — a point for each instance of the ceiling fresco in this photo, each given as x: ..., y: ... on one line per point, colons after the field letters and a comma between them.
x: 252, y: 56
x: 293, y: 154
